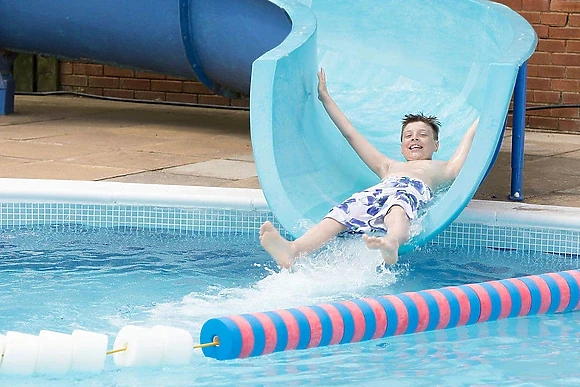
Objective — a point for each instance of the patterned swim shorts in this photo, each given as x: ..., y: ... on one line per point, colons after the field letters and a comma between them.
x: 365, y: 211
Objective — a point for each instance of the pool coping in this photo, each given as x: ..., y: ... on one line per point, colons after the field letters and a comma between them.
x: 115, y: 193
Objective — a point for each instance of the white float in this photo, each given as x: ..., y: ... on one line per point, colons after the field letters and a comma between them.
x: 20, y: 354
x: 89, y: 351
x: 55, y: 352
x: 144, y: 347
x: 178, y: 345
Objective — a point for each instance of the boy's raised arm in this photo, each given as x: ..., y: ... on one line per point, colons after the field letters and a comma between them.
x: 456, y: 161
x: 374, y: 159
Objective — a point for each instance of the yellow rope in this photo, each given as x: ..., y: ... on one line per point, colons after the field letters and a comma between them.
x: 214, y: 343
x: 116, y: 350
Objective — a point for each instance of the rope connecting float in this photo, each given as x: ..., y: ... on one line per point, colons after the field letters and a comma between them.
x: 58, y: 353
x: 256, y: 334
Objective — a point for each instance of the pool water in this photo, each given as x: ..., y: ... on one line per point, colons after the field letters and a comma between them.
x: 73, y: 277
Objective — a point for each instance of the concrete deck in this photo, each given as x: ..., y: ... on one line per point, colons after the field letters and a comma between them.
x: 56, y: 137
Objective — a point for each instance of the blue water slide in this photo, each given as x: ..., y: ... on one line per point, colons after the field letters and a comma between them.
x: 215, y: 41
x: 456, y: 59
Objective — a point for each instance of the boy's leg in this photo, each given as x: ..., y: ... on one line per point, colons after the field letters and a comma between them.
x: 398, y: 225
x: 285, y: 252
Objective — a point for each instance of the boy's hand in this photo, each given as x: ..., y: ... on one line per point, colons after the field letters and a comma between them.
x: 322, y: 91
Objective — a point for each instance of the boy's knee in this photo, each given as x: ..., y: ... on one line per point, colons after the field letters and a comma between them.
x: 397, y: 211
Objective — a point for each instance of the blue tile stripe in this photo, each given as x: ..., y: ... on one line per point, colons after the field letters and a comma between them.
x: 213, y: 221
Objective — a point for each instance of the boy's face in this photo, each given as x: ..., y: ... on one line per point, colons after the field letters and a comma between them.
x: 418, y: 142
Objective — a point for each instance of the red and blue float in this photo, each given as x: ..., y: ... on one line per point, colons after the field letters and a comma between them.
x: 256, y: 334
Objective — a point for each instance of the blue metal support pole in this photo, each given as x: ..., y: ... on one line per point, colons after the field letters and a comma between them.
x: 518, y: 134
x: 7, y: 87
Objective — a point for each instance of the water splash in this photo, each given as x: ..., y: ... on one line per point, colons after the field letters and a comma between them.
x: 342, y: 269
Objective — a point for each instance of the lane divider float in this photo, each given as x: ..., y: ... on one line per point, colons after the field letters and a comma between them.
x: 256, y: 334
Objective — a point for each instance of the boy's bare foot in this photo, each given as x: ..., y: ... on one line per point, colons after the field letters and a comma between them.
x: 389, y: 247
x: 278, y: 247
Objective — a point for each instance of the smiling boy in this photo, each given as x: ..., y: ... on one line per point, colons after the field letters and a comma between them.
x: 390, y: 205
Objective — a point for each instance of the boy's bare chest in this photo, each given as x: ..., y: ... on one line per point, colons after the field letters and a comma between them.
x: 419, y: 166
x: 429, y: 171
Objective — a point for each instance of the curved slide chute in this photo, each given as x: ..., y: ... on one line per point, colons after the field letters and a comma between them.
x: 456, y: 59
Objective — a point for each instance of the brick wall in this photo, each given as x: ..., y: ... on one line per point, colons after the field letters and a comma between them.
x: 553, y: 71
x: 117, y: 82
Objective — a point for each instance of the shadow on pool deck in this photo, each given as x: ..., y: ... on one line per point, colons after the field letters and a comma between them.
x: 73, y: 138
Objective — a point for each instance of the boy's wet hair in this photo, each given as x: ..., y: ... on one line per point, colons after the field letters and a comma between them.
x: 432, y: 121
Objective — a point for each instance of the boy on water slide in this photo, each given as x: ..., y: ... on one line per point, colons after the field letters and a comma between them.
x: 390, y: 205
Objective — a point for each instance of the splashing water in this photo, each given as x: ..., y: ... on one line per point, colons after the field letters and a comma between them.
x: 343, y: 269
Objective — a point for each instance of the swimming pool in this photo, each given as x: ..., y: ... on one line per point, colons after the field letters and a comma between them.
x: 99, y: 256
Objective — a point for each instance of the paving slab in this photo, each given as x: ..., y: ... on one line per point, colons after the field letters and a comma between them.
x: 223, y: 169
x: 133, y: 159
x: 63, y: 171
x: 160, y: 177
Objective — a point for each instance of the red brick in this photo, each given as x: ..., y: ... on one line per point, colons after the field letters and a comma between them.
x: 565, y: 5
x: 106, y: 82
x: 516, y: 5
x: 573, y: 72
x: 195, y: 88
x: 569, y: 125
x: 213, y: 100
x: 532, y: 17
x: 164, y: 85
x: 552, y: 45
x: 87, y: 69
x: 150, y: 95
x: 148, y: 75
x: 566, y: 59
x: 574, y: 20
x: 180, y: 97
x: 92, y: 90
x: 536, y: 5
x: 539, y: 83
x: 540, y: 113
x: 541, y: 30
x: 241, y: 102
x: 66, y: 67
x: 119, y: 93
x: 566, y: 84
x: 175, y: 78
x: 564, y: 32
x: 529, y: 96
x: 74, y: 80
x: 573, y: 97
x: 554, y: 19
x: 573, y: 46
x: 546, y: 96
x: 547, y: 71
x: 565, y: 112
x: 544, y: 122
x: 541, y: 58
x: 112, y: 71
x: 135, y: 84
x: 533, y: 70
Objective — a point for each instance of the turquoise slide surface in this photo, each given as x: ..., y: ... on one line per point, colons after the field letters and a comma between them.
x: 456, y: 59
